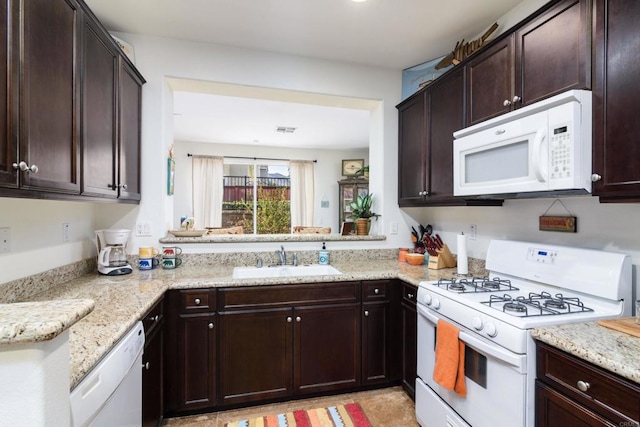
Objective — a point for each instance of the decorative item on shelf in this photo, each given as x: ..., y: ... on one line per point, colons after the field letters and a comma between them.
x: 350, y: 167
x: 346, y: 228
x: 363, y: 171
x: 361, y: 212
x: 171, y: 171
x: 127, y: 48
x: 564, y: 223
x: 463, y: 50
x: 419, y: 76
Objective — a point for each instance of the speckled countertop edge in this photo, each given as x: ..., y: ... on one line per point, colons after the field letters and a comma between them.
x: 29, y: 322
x: 609, y: 349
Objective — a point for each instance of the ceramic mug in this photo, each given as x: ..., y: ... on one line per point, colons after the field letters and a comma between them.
x: 171, y: 251
x: 148, y: 252
x: 170, y: 263
x: 147, y: 263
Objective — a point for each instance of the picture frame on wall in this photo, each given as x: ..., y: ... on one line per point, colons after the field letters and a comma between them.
x: 171, y: 172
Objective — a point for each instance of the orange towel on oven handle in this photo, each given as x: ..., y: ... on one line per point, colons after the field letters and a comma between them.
x: 449, y: 366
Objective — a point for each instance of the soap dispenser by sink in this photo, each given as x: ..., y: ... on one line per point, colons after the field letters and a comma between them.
x: 323, y: 255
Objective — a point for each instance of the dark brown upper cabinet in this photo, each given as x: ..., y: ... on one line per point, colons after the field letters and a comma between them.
x: 616, y: 101
x: 427, y: 121
x: 547, y: 55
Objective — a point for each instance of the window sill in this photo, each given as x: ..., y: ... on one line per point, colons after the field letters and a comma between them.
x: 251, y: 238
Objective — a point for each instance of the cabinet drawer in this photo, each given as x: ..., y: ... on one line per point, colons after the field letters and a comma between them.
x: 376, y: 290
x: 197, y: 300
x: 288, y: 295
x: 409, y: 293
x: 153, y: 317
x: 613, y: 397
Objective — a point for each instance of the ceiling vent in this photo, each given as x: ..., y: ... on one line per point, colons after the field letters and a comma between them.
x: 285, y: 129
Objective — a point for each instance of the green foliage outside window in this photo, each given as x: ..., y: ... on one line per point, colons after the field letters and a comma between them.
x: 273, y: 210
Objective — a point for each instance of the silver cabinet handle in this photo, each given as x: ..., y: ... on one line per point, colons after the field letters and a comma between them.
x: 376, y: 291
x: 124, y: 186
x: 595, y: 177
x: 146, y: 366
x: 197, y: 301
x: 410, y: 296
x: 289, y: 319
x: 154, y: 318
x: 506, y: 103
x: 516, y: 99
x: 298, y: 319
x: 211, y: 325
x: 583, y: 385
x: 366, y: 313
x: 24, y: 167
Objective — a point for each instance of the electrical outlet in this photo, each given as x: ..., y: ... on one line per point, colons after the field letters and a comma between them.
x: 66, y: 232
x: 143, y: 229
x: 473, y: 231
x: 5, y: 239
x: 393, y: 227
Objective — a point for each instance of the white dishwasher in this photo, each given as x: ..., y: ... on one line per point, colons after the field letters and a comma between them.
x: 111, y: 394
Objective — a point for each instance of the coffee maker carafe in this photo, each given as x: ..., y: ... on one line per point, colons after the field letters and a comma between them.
x: 112, y: 252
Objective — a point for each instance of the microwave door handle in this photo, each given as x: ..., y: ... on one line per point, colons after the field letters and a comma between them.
x: 495, y: 351
x: 539, y: 160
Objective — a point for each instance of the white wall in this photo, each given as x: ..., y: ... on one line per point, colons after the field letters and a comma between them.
x: 160, y: 58
x: 327, y: 172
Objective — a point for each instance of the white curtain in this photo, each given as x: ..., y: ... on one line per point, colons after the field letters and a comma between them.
x: 301, y: 174
x: 207, y: 176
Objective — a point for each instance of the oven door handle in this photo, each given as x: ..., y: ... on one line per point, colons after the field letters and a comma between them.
x: 497, y: 352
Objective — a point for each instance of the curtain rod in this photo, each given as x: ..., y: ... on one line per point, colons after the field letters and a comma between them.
x: 253, y: 158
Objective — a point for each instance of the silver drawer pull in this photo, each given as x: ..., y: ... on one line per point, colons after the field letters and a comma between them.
x: 410, y: 296
x: 298, y: 319
x: 289, y: 319
x: 146, y: 366
x: 210, y: 325
x: 583, y: 385
x: 366, y: 313
x: 376, y: 291
x: 197, y: 301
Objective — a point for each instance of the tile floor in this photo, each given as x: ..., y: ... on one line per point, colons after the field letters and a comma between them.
x: 387, y: 407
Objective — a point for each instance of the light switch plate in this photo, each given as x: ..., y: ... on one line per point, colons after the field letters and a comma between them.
x: 5, y: 239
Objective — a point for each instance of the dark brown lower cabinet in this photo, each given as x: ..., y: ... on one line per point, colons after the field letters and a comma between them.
x: 255, y: 355
x: 553, y: 409
x: 153, y: 366
x: 409, y: 316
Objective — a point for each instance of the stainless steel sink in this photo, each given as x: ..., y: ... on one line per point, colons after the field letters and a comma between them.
x: 284, y: 271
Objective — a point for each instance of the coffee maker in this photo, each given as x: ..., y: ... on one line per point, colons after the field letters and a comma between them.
x: 112, y: 252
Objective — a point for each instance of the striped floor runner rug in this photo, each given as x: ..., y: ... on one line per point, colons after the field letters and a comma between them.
x: 349, y: 415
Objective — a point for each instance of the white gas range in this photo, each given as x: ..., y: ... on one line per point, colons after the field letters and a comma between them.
x: 530, y: 285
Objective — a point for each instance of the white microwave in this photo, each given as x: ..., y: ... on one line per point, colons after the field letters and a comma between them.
x: 543, y: 147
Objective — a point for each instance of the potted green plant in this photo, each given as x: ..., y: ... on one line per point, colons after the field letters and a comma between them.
x: 364, y: 171
x: 361, y: 212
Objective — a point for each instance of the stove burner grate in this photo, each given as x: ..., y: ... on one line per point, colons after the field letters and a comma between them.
x: 537, y: 304
x: 477, y: 284
x: 517, y: 307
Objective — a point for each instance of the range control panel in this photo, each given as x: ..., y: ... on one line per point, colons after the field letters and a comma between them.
x: 543, y: 256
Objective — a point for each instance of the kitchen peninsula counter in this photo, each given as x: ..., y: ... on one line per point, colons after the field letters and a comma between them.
x: 120, y: 301
x: 609, y: 349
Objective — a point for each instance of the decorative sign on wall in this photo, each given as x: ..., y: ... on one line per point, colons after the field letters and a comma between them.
x: 565, y: 223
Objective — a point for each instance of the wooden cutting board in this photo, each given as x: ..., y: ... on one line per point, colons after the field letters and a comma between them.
x: 627, y: 325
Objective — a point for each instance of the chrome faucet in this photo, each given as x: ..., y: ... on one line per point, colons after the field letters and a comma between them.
x: 283, y: 255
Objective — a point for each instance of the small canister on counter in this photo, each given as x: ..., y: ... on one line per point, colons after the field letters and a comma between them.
x: 401, y: 254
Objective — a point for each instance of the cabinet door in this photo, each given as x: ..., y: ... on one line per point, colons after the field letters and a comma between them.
x: 8, y: 95
x: 616, y: 101
x: 553, y: 52
x: 412, y: 150
x: 152, y: 379
x: 446, y: 116
x: 327, y: 348
x: 409, y: 347
x: 99, y: 136
x: 130, y: 116
x: 49, y: 119
x: 556, y: 410
x: 255, y: 351
x: 196, y: 361
x: 490, y: 82
x: 376, y: 333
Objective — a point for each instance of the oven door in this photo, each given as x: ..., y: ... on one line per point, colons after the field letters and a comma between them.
x: 496, y: 381
x: 508, y: 158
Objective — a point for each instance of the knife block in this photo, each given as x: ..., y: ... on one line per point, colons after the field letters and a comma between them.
x: 444, y: 259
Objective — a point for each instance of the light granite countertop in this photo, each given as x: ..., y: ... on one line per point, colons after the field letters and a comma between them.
x: 612, y: 350
x: 120, y: 301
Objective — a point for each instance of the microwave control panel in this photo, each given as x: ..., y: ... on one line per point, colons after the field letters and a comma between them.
x: 560, y: 151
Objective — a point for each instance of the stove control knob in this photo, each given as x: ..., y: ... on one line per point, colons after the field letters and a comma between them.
x: 491, y: 330
x: 476, y: 322
x: 427, y: 299
x: 436, y: 303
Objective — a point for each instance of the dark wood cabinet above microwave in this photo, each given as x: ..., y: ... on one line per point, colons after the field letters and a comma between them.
x: 547, y: 55
x: 66, y: 98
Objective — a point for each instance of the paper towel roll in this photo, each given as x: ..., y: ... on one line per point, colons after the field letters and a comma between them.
x: 463, y: 260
